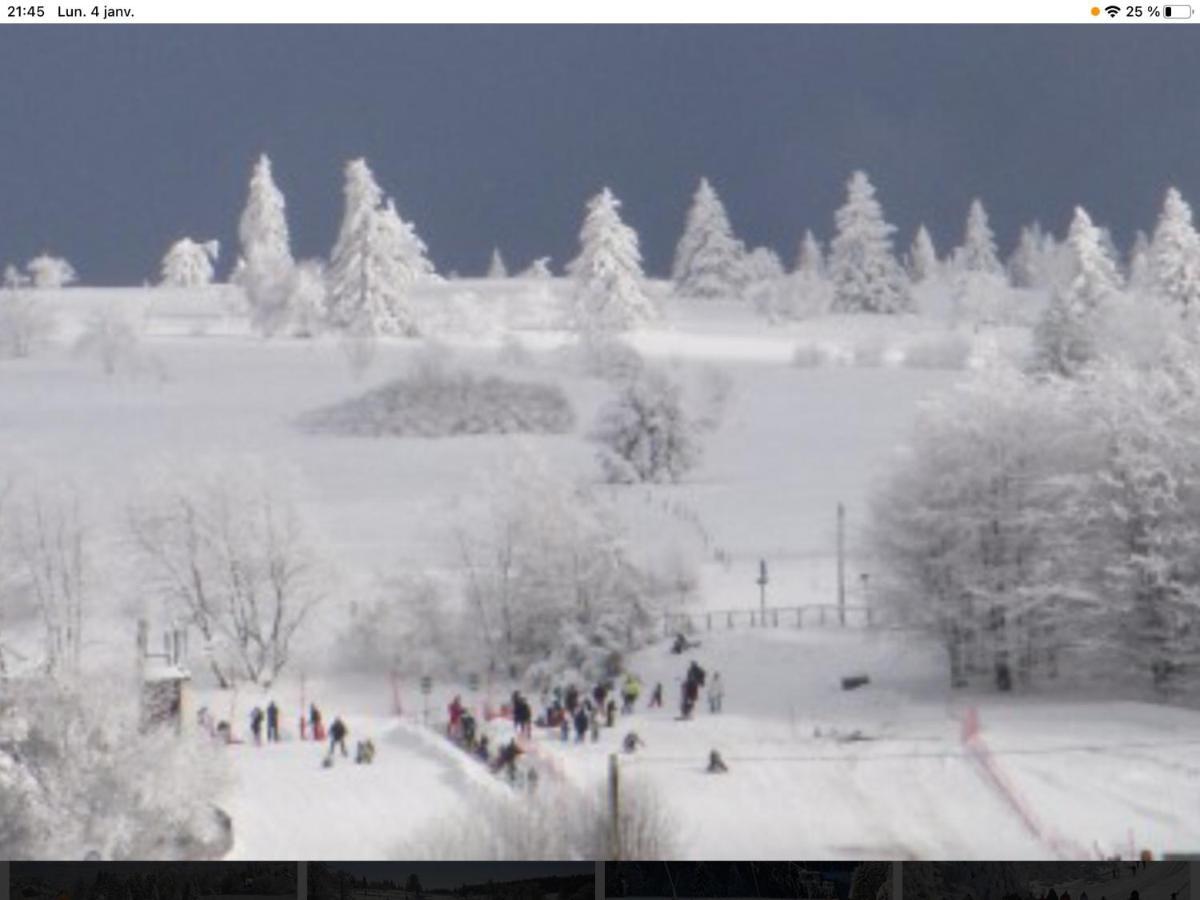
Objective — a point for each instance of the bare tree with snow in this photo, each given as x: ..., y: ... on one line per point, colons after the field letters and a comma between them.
x: 866, y: 277
x: 225, y: 548
x: 25, y: 320
x: 644, y: 432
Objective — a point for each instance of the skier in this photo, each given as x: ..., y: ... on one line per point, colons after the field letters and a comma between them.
x: 337, y: 737
x: 632, y: 741
x: 272, y: 723
x: 629, y: 693
x: 256, y: 724
x: 715, y: 763
x: 656, y: 696
x: 581, y: 725
x: 716, y: 693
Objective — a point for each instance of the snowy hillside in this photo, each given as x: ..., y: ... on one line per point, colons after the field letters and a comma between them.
x: 814, y: 770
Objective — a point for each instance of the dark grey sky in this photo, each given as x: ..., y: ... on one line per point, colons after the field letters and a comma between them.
x: 117, y: 140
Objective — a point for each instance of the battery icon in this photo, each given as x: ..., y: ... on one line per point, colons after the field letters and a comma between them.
x: 1177, y: 12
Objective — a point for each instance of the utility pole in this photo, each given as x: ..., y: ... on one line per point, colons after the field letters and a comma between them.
x: 761, y: 581
x: 614, y: 807
x: 841, y: 563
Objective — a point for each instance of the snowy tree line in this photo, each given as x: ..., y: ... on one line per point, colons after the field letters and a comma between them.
x: 1044, y: 526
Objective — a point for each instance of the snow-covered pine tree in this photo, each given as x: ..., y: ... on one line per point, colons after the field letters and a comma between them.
x: 376, y: 258
x: 189, y: 263
x: 307, y: 305
x: 1141, y: 276
x: 1175, y: 253
x: 363, y: 198
x: 610, y: 292
x: 708, y: 259
x: 1065, y: 336
x: 497, y: 268
x: 1026, y: 266
x: 810, y: 260
x: 922, y: 257
x: 866, y: 277
x: 978, y: 250
x: 538, y: 270
x: 265, y: 269
x: 48, y: 272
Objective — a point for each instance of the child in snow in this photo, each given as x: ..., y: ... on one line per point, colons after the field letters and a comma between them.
x: 632, y: 742
x: 656, y: 696
x: 715, y: 763
x: 716, y: 693
x: 337, y: 737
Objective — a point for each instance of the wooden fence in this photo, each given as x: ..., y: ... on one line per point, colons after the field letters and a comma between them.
x: 811, y: 615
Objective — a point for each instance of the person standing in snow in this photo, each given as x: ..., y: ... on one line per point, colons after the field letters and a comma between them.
x: 455, y: 709
x: 581, y: 725
x: 716, y: 693
x: 630, y: 690
x: 272, y: 723
x: 337, y: 736
x: 656, y: 696
x: 610, y: 713
x: 256, y: 724
x: 314, y: 720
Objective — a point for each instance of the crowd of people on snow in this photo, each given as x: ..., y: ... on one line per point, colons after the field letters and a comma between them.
x: 578, y: 715
x: 265, y: 722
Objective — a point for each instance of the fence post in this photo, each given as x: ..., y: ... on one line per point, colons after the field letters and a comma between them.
x: 614, y: 807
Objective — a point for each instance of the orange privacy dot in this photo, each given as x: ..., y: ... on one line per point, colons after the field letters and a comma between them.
x: 1095, y: 10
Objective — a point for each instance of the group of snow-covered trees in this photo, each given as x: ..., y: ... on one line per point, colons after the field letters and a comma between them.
x: 362, y: 291
x: 1044, y: 526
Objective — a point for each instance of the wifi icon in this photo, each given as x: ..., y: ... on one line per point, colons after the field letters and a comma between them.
x: 1112, y: 11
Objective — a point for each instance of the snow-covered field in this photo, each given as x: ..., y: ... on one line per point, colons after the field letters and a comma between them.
x: 815, y: 771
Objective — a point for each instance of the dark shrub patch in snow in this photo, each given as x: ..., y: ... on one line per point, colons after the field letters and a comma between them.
x: 435, y: 403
